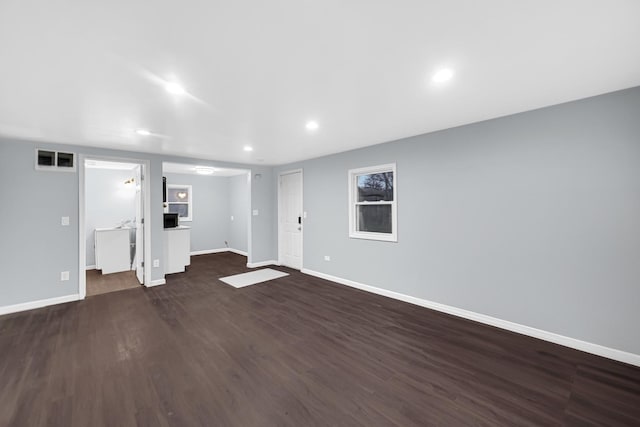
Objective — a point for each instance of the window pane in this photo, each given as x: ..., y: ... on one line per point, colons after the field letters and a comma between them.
x: 375, y: 187
x: 178, y: 195
x: 373, y: 218
x: 181, y: 209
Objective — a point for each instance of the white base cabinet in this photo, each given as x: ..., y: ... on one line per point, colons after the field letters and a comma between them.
x: 177, y: 249
x: 113, y: 251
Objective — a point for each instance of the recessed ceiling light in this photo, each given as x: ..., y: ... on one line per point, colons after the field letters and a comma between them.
x: 247, y: 148
x: 143, y: 132
x: 312, y: 125
x: 442, y: 75
x: 204, y: 170
x: 174, y: 88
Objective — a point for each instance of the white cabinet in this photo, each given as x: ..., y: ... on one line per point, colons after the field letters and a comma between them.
x: 113, y: 253
x: 177, y: 249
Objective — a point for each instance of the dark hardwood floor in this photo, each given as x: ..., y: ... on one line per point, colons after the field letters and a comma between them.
x: 98, y: 283
x: 296, y: 351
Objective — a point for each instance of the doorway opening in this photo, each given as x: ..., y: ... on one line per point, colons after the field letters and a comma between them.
x: 212, y: 206
x: 113, y: 205
x: 290, y: 219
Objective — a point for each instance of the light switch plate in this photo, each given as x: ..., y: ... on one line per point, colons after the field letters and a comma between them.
x: 255, y: 212
x: 64, y: 275
x: 65, y: 220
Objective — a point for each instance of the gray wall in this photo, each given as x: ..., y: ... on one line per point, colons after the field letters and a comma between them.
x: 210, y: 224
x: 532, y: 218
x: 263, y: 242
x: 35, y: 248
x: 108, y: 203
x: 238, y: 209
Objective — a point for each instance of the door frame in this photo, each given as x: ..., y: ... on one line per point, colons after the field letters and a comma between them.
x: 82, y: 235
x: 280, y: 174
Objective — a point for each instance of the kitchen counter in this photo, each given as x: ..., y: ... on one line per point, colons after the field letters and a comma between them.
x: 180, y: 227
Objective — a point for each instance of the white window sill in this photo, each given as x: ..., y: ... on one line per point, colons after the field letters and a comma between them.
x: 375, y: 236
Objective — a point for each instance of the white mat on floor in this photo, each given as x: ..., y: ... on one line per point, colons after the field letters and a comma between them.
x: 253, y: 277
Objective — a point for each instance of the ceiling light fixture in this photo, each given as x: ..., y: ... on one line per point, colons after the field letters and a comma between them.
x: 442, y: 75
x: 247, y: 148
x: 174, y: 88
x: 143, y: 132
x: 204, y: 170
x: 312, y: 125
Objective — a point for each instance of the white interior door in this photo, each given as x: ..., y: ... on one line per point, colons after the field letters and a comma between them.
x: 290, y: 219
x: 139, y: 258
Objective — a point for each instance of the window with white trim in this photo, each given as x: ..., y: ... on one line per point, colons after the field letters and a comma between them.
x: 373, y: 203
x: 180, y: 201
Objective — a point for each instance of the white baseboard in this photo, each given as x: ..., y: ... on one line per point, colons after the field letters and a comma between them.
x: 209, y: 251
x: 38, y: 304
x: 262, y: 263
x: 236, y: 251
x: 90, y: 267
x: 215, y: 251
x: 610, y: 353
x: 157, y: 282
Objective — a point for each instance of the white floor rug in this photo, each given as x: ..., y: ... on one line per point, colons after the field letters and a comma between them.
x: 253, y: 277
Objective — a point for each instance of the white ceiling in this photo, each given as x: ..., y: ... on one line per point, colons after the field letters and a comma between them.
x: 92, y: 72
x: 193, y: 169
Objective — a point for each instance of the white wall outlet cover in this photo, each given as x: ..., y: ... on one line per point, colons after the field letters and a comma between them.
x: 304, y: 214
x: 327, y: 258
x: 64, y: 275
x: 255, y: 212
x: 65, y: 220
x: 156, y: 263
x: 231, y: 217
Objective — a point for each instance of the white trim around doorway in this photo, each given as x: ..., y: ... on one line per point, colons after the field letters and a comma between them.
x: 82, y: 235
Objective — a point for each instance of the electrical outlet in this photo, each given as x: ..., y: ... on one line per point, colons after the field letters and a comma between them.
x: 327, y: 258
x: 65, y: 220
x: 304, y: 214
x: 156, y: 263
x: 231, y: 217
x: 64, y: 276
x: 255, y: 212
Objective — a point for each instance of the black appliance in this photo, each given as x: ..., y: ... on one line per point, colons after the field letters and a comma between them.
x: 171, y: 220
x: 164, y: 189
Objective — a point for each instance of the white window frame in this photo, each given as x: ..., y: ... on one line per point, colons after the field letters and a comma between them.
x: 353, y: 202
x: 189, y: 203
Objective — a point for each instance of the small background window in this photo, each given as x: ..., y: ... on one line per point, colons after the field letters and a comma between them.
x: 180, y: 201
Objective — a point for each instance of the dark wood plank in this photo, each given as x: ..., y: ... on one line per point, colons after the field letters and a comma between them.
x: 296, y: 351
x: 98, y: 283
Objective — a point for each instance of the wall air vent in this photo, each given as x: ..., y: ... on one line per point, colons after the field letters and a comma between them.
x: 48, y: 160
